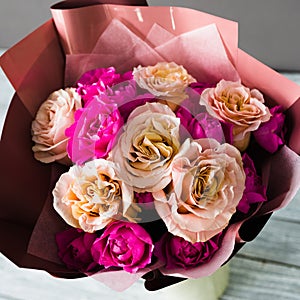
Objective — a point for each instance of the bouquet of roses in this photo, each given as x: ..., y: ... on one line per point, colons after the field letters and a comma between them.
x: 156, y: 160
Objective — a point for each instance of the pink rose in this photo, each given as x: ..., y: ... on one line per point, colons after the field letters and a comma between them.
x: 94, y: 131
x: 125, y: 245
x: 176, y: 252
x: 48, y: 128
x: 208, y: 183
x: 74, y: 249
x: 91, y: 196
x: 96, y: 81
x: 234, y: 103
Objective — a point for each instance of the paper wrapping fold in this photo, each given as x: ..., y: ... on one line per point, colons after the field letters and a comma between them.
x: 40, y: 71
x: 35, y: 68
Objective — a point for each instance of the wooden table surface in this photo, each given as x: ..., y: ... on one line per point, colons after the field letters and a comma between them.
x: 267, y: 268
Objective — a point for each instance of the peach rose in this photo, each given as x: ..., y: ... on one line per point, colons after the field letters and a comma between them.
x: 91, y: 196
x: 208, y: 183
x: 48, y: 129
x: 147, y: 147
x: 166, y: 81
x: 234, y: 103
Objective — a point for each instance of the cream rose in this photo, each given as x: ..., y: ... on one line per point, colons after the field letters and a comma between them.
x: 147, y: 147
x: 91, y: 196
x: 48, y: 129
x: 166, y: 81
x: 236, y: 104
x: 208, y: 183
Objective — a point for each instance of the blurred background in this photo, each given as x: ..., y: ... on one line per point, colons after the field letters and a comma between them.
x: 269, y: 29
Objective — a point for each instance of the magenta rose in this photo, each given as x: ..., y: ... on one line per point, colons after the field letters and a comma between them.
x: 270, y: 135
x: 125, y: 245
x: 145, y: 200
x: 94, y: 82
x: 200, y: 126
x: 191, y: 103
x: 126, y: 96
x: 255, y: 191
x: 197, y: 122
x: 93, y: 133
x: 199, y: 87
x: 176, y: 252
x: 129, y: 105
x: 74, y: 249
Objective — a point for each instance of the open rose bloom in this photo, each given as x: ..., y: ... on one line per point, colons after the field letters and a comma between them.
x: 155, y: 147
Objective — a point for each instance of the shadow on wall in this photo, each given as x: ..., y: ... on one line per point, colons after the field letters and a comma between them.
x: 268, y: 29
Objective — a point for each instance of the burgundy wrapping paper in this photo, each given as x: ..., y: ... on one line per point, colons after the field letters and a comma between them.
x: 86, y: 24
x: 35, y: 67
x: 25, y: 186
x: 80, y: 28
x: 40, y: 61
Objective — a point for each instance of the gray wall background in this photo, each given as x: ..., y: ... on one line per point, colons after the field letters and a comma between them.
x: 269, y: 29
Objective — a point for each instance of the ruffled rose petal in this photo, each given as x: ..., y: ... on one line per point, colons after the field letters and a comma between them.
x: 48, y: 129
x: 234, y: 103
x: 91, y: 196
x: 208, y: 183
x: 146, y: 148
